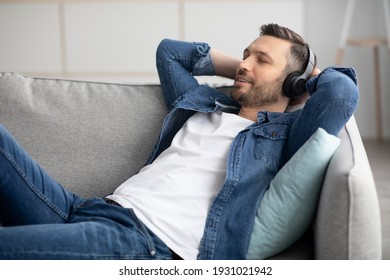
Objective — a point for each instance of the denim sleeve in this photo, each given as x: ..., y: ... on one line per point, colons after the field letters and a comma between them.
x: 204, y: 66
x: 177, y: 63
x: 334, y: 98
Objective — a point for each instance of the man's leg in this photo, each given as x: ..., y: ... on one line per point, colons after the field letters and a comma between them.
x: 96, y: 230
x: 44, y: 221
x: 28, y: 195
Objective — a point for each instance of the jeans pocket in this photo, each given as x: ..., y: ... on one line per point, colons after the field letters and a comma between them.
x: 145, y: 231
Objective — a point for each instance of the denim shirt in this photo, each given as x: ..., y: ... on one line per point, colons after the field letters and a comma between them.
x: 257, y: 152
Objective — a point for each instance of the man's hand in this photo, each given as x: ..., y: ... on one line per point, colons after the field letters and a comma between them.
x: 225, y: 65
x: 315, y: 72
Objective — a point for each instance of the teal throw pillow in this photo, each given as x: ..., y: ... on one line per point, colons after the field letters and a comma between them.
x: 289, y: 205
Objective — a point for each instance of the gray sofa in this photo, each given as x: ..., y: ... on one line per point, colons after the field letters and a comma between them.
x: 92, y: 136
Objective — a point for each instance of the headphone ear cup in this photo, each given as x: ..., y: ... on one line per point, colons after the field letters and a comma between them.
x: 299, y: 87
x: 295, y: 83
x: 288, y: 85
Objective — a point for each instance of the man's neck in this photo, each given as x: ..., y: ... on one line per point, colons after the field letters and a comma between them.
x: 248, y: 113
x: 251, y: 113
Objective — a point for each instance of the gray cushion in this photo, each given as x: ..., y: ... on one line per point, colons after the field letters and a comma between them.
x: 89, y: 136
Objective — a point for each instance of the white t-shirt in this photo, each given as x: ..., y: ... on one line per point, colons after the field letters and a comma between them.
x: 172, y: 196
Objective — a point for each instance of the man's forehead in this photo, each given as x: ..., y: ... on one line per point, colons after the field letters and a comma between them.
x: 270, y: 45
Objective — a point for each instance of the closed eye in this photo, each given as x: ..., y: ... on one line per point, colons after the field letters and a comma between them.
x: 262, y: 60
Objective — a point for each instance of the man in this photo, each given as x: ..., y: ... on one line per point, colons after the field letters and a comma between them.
x: 198, y: 195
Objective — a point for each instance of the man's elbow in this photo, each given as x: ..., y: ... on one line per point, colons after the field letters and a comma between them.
x: 339, y: 85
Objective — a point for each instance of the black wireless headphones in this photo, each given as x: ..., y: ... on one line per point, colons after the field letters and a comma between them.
x: 295, y: 83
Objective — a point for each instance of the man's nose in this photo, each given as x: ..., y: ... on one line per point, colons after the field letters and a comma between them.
x: 245, y: 65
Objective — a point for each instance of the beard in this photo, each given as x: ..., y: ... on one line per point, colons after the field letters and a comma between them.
x: 267, y: 93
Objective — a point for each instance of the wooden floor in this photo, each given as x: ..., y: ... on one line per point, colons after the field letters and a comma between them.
x: 379, y: 157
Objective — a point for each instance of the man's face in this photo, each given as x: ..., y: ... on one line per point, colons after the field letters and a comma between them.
x: 260, y: 76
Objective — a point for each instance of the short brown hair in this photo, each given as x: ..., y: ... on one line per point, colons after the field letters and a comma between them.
x: 298, y: 54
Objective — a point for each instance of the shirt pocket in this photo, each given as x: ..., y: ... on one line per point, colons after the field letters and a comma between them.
x: 270, y: 141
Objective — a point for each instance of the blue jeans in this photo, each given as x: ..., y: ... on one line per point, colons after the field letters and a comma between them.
x: 42, y: 220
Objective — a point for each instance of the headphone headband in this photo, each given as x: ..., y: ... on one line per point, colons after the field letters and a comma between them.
x: 309, y: 65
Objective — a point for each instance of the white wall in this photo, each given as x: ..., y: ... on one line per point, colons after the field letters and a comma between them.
x: 323, y: 26
x: 116, y: 40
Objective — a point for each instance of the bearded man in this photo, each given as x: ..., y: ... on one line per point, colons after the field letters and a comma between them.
x: 198, y: 195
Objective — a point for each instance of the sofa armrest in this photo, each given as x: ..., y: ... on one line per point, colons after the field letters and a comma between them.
x: 347, y: 224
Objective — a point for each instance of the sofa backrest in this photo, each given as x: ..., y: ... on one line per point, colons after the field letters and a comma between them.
x: 90, y: 145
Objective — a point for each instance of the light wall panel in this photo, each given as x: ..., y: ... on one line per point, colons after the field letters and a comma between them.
x: 116, y: 40
x: 115, y: 37
x: 233, y: 25
x: 29, y: 35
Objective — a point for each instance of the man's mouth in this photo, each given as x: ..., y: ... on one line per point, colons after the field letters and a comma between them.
x: 242, y: 80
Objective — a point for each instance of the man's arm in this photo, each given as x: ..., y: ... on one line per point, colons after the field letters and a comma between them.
x: 224, y: 65
x: 177, y: 62
x: 334, y: 98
